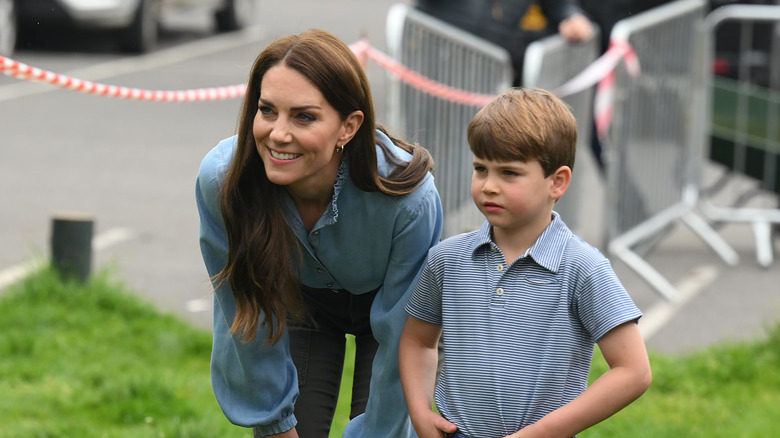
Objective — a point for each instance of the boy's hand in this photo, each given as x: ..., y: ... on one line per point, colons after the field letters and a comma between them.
x: 432, y: 425
x: 576, y: 28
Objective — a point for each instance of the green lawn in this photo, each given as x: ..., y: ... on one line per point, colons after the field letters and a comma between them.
x: 96, y: 361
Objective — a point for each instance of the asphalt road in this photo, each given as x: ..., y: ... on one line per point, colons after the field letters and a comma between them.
x: 132, y: 165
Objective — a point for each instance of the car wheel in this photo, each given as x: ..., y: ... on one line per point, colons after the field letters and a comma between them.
x: 141, y: 35
x: 236, y: 14
x: 7, y: 27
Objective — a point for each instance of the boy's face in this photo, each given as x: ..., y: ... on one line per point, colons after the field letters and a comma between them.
x: 515, y: 195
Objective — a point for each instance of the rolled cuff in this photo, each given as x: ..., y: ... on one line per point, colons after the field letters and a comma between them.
x: 283, y: 425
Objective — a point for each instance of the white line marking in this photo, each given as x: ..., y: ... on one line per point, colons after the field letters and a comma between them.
x: 15, y: 273
x: 136, y: 64
x: 100, y: 242
x: 197, y: 305
x: 111, y: 237
x: 690, y: 286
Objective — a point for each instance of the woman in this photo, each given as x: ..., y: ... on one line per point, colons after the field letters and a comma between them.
x: 313, y: 224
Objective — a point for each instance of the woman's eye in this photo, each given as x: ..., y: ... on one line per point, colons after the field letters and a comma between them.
x: 306, y: 117
x: 265, y: 110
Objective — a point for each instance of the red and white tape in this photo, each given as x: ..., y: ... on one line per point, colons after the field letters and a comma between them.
x: 19, y: 70
x: 600, y: 71
x: 603, y: 107
x: 363, y: 49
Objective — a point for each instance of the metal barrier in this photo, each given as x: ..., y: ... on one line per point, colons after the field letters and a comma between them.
x: 549, y: 63
x: 452, y: 57
x: 652, y: 151
x: 742, y: 131
x: 461, y: 60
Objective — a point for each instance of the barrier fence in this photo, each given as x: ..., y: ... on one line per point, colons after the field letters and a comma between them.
x: 653, y: 155
x: 550, y: 63
x: 453, y: 57
x: 742, y: 129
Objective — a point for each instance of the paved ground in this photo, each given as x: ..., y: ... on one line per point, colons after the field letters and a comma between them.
x: 133, y: 165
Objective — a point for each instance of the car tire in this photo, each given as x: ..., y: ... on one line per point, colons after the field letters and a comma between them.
x: 141, y: 36
x: 236, y: 14
x: 8, y: 27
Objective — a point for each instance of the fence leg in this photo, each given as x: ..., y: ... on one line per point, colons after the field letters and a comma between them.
x: 647, y: 272
x: 71, y: 245
x: 762, y: 232
x: 711, y: 238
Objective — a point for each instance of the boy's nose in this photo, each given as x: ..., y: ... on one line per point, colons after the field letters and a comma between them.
x: 489, y: 186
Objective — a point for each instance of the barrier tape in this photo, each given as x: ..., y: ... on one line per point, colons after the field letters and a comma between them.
x: 599, y: 71
x: 19, y: 70
x: 419, y: 81
x: 603, y: 106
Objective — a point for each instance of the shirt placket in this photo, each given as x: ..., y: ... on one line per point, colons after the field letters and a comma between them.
x: 496, y: 267
x: 322, y: 272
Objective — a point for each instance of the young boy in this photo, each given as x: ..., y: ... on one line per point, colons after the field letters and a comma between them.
x: 521, y: 302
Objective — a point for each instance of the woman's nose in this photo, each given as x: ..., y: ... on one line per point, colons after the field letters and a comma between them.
x: 280, y: 132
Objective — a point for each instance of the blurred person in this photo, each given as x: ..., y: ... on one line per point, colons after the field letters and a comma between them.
x: 606, y: 13
x: 313, y: 224
x: 512, y: 24
x: 521, y: 302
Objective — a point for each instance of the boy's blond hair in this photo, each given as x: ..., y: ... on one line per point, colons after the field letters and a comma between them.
x: 523, y: 124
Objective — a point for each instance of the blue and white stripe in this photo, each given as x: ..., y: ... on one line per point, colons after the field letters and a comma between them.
x: 519, y: 339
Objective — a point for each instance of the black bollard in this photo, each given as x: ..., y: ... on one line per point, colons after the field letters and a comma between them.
x: 71, y: 245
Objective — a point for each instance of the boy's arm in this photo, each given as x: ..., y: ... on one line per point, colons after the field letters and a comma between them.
x: 418, y: 358
x: 628, y: 377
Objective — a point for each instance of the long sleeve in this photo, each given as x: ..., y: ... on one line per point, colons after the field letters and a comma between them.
x: 255, y: 384
x: 386, y: 413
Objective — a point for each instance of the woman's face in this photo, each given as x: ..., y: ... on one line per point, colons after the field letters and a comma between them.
x: 296, y: 133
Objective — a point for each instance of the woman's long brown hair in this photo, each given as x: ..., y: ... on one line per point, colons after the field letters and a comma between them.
x: 263, y: 252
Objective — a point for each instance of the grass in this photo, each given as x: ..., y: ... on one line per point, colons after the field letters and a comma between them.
x: 730, y: 390
x: 97, y: 361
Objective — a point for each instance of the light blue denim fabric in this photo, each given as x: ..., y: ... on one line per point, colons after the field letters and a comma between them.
x: 364, y: 241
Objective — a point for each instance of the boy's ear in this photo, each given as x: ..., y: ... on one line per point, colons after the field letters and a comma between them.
x: 561, y: 179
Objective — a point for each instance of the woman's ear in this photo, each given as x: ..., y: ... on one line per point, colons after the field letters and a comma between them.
x: 350, y: 126
x: 561, y: 179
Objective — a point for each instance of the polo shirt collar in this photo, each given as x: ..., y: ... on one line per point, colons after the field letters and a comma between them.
x: 548, y: 249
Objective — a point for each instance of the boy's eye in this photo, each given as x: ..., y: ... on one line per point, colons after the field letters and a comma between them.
x: 510, y: 173
x: 479, y: 169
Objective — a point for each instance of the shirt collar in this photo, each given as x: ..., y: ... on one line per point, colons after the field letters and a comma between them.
x: 548, y: 249
x: 331, y: 215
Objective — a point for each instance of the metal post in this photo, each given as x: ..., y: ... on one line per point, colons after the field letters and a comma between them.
x: 71, y: 245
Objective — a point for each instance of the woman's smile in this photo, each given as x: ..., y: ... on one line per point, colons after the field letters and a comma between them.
x: 283, y: 156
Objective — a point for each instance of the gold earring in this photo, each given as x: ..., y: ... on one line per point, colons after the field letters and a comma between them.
x: 339, y: 148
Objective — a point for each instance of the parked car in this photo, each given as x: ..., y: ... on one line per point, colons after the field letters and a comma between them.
x: 135, y: 23
x: 7, y: 27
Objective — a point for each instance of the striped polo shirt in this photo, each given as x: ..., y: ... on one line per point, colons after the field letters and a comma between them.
x: 518, y: 339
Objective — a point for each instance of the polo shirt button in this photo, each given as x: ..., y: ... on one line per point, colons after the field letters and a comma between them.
x: 500, y: 268
x: 499, y: 291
